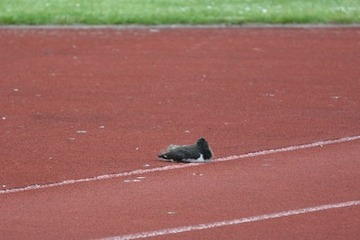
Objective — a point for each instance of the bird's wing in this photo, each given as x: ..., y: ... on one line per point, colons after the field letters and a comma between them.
x: 182, y: 153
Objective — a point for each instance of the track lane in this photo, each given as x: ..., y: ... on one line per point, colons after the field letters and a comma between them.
x: 203, y: 194
x: 78, y: 103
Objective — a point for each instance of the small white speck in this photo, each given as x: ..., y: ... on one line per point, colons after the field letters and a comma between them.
x: 75, y: 57
x: 335, y: 97
x: 137, y: 149
x: 171, y: 213
x: 4, y: 186
x: 269, y: 95
x: 15, y: 89
x: 3, y: 118
x: 102, y: 127
x: 50, y: 158
x: 81, y: 131
x: 140, y: 177
x: 200, y: 174
x: 146, y: 165
x: 187, y: 131
x: 131, y: 180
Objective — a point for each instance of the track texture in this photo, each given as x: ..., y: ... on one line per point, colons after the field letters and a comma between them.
x: 78, y: 103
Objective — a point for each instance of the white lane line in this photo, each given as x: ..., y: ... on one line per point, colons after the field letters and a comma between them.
x: 178, y: 166
x: 290, y: 148
x: 233, y: 221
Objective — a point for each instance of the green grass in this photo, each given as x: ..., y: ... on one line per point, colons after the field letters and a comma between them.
x: 178, y: 11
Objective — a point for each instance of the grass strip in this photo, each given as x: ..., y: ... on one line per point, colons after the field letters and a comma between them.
x: 152, y: 12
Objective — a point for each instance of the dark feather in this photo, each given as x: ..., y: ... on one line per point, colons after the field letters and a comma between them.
x: 187, y: 153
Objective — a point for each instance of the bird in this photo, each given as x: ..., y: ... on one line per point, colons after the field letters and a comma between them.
x: 198, y: 152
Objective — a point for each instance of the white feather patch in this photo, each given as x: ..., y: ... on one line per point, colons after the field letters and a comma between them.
x: 198, y: 160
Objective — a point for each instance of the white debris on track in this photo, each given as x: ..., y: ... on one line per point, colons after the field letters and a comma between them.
x: 81, y: 131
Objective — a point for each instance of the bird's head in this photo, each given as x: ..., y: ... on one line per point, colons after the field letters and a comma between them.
x: 205, y: 149
x: 202, y: 143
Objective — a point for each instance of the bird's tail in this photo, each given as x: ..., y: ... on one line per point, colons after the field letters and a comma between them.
x: 164, y: 156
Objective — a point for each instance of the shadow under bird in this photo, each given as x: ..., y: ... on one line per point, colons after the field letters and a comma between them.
x: 198, y: 152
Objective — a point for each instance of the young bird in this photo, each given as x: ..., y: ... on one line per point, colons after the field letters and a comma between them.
x: 198, y: 152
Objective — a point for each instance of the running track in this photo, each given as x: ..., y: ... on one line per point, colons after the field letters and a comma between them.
x: 83, y: 113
